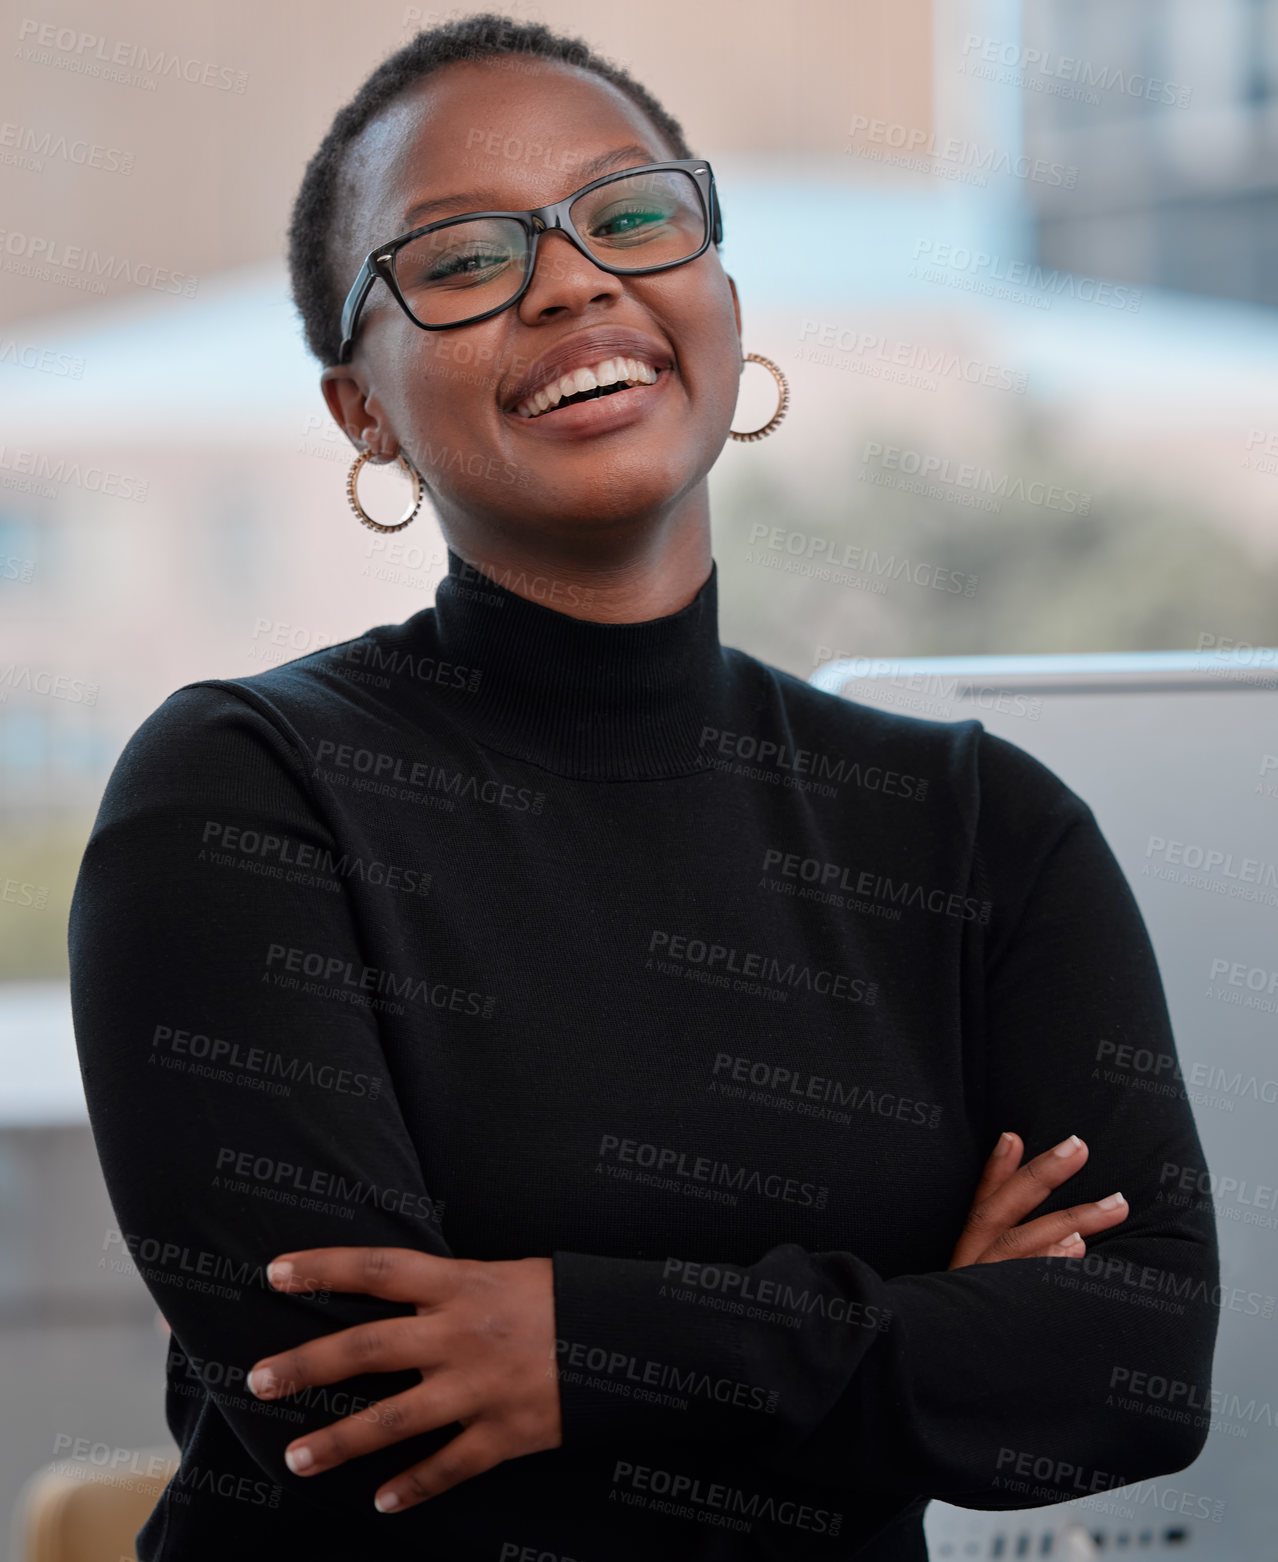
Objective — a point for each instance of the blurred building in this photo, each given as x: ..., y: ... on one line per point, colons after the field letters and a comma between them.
x: 1168, y: 109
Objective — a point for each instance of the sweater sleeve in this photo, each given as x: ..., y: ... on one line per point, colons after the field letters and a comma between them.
x: 235, y: 1115
x: 993, y: 1385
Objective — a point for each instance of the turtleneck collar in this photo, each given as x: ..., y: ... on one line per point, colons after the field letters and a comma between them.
x: 602, y: 702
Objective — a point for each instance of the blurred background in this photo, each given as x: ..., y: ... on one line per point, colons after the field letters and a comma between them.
x: 1019, y: 262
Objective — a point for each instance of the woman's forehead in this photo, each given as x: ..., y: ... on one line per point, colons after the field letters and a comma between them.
x: 476, y: 123
x: 478, y: 114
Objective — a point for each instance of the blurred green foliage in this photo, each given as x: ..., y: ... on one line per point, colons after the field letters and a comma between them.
x: 1140, y: 571
x: 43, y: 855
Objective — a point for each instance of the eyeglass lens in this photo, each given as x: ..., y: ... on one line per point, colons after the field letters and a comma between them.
x: 468, y: 268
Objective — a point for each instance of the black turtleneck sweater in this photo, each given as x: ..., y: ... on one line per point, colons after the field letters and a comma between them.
x: 502, y: 932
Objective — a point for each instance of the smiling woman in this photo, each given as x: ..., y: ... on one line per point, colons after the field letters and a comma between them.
x: 559, y: 1092
x: 598, y: 247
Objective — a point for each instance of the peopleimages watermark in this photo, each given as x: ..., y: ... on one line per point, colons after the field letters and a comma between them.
x: 708, y: 957
x: 472, y: 463
x: 44, y: 256
x: 1236, y: 655
x: 1161, y: 1290
x: 1193, y: 1179
x: 1160, y: 1073
x: 378, y: 664
x: 1170, y: 1499
x: 714, y: 1502
x: 940, y: 695
x: 17, y: 892
x: 810, y: 570
x: 1053, y: 1475
x: 23, y: 146
x: 44, y: 360
x: 1014, y: 281
x: 950, y: 157
x: 1231, y: 1198
x: 1188, y: 862
x: 322, y: 437
x: 622, y: 1372
x: 403, y: 563
x: 806, y: 769
x: 813, y: 1095
x: 1238, y: 650
x: 196, y: 1269
x: 668, y: 1165
x: 1246, y: 986
x: 130, y: 1469
x: 1267, y: 444
x: 774, y: 1300
x: 816, y: 877
x: 968, y: 478
x: 391, y: 775
x: 294, y: 862
x: 824, y: 558
x: 907, y: 363
x: 1186, y: 1402
x: 23, y: 468
x: 107, y: 1457
x: 500, y: 146
x: 19, y: 678
x: 539, y: 588
x: 239, y: 1170
x: 130, y: 64
x: 225, y: 1382
x: 203, y: 1056
x: 416, y: 17
x: 12, y: 568
x: 1044, y: 70
x: 354, y: 987
x: 271, y: 635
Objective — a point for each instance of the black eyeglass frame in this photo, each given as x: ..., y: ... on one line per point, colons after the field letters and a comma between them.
x: 380, y: 262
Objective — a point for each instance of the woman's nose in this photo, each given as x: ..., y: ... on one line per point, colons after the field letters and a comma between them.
x: 564, y: 277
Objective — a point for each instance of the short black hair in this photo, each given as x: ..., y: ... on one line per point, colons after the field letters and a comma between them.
x: 317, y: 214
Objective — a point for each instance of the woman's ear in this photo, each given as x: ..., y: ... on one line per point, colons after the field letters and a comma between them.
x: 348, y: 400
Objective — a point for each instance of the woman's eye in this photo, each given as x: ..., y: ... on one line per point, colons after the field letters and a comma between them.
x: 627, y: 224
x: 442, y: 268
x: 464, y: 264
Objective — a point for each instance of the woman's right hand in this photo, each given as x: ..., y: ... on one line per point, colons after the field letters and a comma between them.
x: 1008, y: 1191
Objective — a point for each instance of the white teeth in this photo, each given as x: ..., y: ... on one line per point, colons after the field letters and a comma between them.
x: 609, y: 372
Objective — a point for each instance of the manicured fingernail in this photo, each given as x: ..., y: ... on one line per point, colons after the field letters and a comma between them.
x: 279, y: 1272
x: 261, y: 1381
x: 1112, y: 1202
x: 1004, y: 1144
x: 1070, y: 1241
x: 385, y: 1501
x: 298, y: 1459
x: 1068, y: 1146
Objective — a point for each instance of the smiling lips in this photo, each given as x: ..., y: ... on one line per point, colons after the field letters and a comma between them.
x: 619, y: 372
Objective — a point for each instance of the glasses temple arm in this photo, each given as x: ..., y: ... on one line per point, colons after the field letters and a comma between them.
x: 354, y: 303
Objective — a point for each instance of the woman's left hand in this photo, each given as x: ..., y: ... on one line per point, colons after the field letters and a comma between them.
x: 483, y: 1339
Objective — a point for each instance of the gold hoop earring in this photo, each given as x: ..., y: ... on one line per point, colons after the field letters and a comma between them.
x: 782, y: 385
x: 353, y: 476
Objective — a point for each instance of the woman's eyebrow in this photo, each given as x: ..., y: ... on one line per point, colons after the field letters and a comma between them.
x: 475, y: 199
